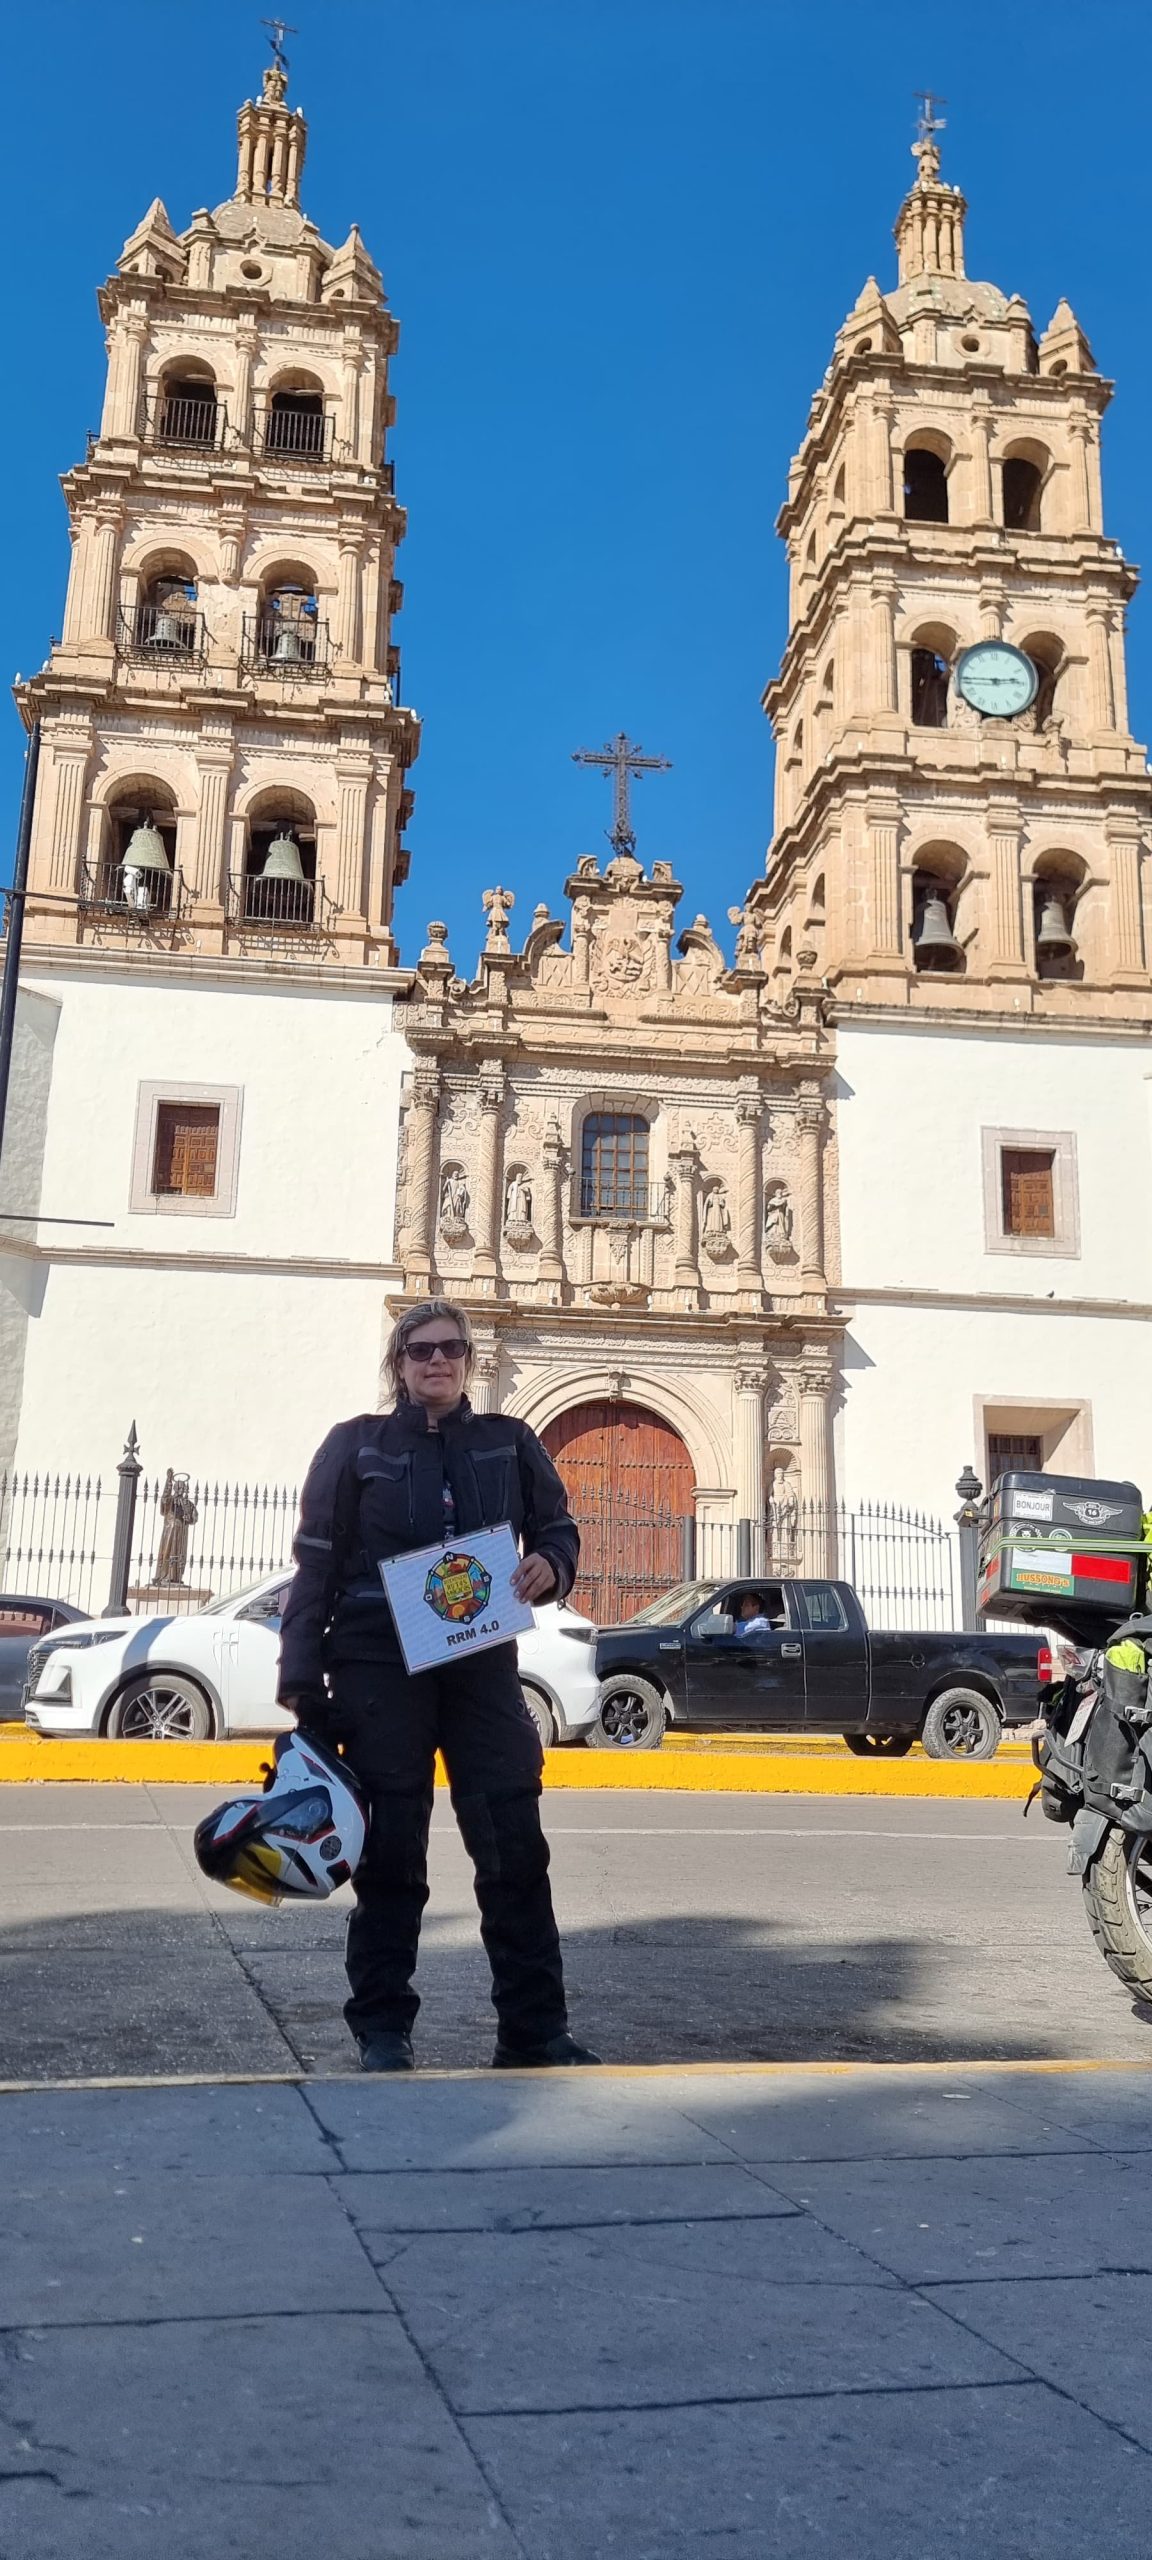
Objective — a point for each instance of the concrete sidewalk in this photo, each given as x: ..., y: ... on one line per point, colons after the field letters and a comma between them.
x: 879, y: 2311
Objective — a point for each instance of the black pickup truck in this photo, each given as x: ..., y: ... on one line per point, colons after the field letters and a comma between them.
x: 799, y: 1657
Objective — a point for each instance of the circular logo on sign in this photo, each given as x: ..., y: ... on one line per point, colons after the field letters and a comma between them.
x: 458, y: 1589
x: 331, y: 1849
x: 1094, y: 1514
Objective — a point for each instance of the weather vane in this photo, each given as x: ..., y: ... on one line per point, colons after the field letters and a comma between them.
x: 278, y: 28
x: 621, y: 759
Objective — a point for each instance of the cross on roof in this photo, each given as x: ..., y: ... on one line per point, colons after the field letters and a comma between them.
x: 278, y: 28
x: 621, y: 759
x: 926, y: 149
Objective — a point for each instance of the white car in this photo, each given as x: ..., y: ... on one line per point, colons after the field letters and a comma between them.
x: 213, y: 1673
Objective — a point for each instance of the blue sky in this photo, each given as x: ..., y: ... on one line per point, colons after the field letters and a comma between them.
x: 619, y: 238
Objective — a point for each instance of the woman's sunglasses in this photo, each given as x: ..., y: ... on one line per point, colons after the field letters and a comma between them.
x: 451, y: 1345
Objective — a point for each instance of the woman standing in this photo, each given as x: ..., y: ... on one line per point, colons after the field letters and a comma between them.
x: 379, y: 1486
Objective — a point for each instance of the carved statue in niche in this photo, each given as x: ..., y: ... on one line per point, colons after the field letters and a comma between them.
x: 454, y: 1201
x: 518, y: 1208
x: 716, y: 1223
x: 783, y: 1512
x: 778, y: 1223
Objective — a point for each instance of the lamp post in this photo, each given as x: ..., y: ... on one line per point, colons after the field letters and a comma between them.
x: 969, y: 1488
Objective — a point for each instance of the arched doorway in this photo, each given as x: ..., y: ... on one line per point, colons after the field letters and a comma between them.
x: 630, y: 1483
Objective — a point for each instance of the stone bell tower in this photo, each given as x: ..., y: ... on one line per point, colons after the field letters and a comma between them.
x: 224, y: 752
x: 948, y: 492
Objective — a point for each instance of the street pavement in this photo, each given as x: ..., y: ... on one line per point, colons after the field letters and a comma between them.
x: 750, y: 2300
x: 696, y: 1928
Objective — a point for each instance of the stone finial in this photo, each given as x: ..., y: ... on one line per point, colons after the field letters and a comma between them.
x: 870, y: 327
x: 153, y: 249
x: 1064, y: 347
x: 351, y: 275
x: 435, y: 959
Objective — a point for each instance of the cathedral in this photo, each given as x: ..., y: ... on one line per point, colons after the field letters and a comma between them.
x: 746, y: 1238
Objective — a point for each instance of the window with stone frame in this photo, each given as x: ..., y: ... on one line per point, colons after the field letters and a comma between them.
x: 1031, y: 1203
x: 186, y: 1149
x: 614, y: 1165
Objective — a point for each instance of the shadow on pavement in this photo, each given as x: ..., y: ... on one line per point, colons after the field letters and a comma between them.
x: 152, y: 1991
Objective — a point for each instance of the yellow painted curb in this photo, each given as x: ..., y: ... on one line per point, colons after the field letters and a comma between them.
x: 29, y: 1759
x: 1052, y: 2064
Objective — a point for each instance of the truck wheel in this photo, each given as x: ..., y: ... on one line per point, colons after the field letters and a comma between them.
x: 159, y: 1707
x: 879, y: 1746
x: 961, y: 1724
x: 632, y: 1716
x: 1118, y: 1901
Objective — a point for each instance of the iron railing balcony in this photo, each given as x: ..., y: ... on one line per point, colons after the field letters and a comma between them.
x: 130, y: 893
x: 278, y: 905
x: 188, y: 426
x: 273, y: 646
x: 163, y: 635
x: 632, y: 1204
x: 293, y: 436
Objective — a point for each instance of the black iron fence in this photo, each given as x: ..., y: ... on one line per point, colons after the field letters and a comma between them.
x: 126, y: 1540
x: 139, y: 1543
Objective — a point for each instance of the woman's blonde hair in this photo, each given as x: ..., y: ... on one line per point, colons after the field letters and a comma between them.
x: 413, y: 1321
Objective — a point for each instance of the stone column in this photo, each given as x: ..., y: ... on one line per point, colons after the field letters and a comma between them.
x: 991, y: 609
x: 233, y: 528
x: 247, y: 344
x: 883, y: 649
x: 981, y: 461
x: 748, y: 1191
x: 348, y: 600
x: 749, y: 1454
x: 489, y: 1186
x: 1007, y: 956
x: 883, y: 820
x: 352, y: 778
x: 69, y: 766
x: 685, y: 1162
x: 819, y: 1542
x: 810, y: 1183
x: 101, y: 602
x: 214, y: 769
x: 122, y: 398
x: 550, y: 1214
x: 484, y: 1381
x: 419, y: 1175
x: 1080, y: 432
x: 1119, y: 670
x: 1100, y: 667
x: 1126, y: 961
x: 883, y: 417
x: 353, y: 359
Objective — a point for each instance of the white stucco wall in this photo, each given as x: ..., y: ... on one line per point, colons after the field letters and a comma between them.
x: 911, y: 1107
x: 226, y: 1365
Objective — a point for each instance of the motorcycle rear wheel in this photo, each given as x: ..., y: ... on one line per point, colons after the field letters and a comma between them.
x: 1118, y: 1901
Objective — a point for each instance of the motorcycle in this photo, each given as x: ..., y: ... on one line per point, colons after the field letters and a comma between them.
x: 1094, y: 1755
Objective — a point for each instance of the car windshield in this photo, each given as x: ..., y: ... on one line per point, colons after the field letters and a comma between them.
x: 672, y: 1605
x: 236, y: 1599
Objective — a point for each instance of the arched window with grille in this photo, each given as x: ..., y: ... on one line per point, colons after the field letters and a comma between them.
x: 614, y: 1166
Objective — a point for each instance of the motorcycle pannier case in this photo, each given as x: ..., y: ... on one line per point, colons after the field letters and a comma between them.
x: 1052, y: 1545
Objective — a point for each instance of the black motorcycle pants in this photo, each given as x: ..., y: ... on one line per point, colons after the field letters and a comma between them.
x: 391, y: 1724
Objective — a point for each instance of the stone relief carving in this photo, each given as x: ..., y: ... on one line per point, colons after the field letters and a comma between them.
x: 782, y: 1511
x: 621, y: 963
x: 454, y: 1204
x: 716, y: 1223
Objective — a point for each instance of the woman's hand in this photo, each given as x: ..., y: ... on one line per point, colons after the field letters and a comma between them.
x: 534, y: 1578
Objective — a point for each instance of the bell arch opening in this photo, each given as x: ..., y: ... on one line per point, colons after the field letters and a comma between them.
x: 278, y: 882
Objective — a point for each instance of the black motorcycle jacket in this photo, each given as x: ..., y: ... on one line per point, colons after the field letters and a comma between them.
x: 377, y: 1488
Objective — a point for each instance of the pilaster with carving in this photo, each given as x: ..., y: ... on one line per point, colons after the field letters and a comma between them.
x: 810, y: 1123
x: 814, y: 1381
x: 489, y: 1181
x: 420, y: 1176
x: 684, y: 1159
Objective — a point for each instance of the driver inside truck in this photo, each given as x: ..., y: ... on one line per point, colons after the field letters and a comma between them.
x: 758, y: 1612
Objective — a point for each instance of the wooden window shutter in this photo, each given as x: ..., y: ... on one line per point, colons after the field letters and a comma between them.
x: 187, y: 1146
x: 1028, y: 1192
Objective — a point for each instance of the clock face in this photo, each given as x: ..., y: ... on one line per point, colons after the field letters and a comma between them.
x: 997, y: 680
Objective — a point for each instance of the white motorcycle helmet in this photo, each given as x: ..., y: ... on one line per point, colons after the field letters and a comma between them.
x: 296, y: 1841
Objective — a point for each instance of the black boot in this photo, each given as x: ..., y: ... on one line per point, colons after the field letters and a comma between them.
x: 549, y: 2056
x: 388, y: 2050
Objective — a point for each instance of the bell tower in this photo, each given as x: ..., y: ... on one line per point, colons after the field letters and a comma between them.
x: 224, y: 748
x: 948, y: 839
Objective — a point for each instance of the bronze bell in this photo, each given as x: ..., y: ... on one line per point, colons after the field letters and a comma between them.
x: 146, y: 849
x: 282, y: 861
x: 1053, y: 940
x: 933, y: 940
